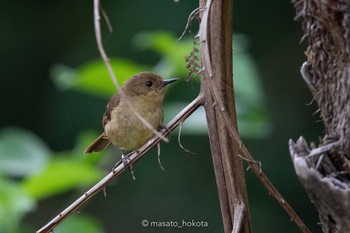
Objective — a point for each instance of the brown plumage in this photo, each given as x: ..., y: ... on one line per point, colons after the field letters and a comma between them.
x: 145, y: 91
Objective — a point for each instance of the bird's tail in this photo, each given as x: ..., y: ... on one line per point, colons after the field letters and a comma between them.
x: 99, y: 144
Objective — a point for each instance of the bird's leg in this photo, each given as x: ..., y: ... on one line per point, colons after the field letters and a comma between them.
x: 124, y: 159
x: 126, y: 162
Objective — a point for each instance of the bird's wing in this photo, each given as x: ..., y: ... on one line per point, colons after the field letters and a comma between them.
x: 113, y: 102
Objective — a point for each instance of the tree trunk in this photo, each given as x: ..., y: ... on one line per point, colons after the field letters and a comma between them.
x: 325, y: 171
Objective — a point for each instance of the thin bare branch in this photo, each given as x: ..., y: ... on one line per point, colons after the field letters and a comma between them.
x: 250, y: 161
x: 256, y: 168
x: 105, y: 16
x: 193, y: 14
x: 117, y: 171
x: 100, y: 44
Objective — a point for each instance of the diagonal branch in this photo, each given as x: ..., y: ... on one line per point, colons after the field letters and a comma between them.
x: 177, y: 120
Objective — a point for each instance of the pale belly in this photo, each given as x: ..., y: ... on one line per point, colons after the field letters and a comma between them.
x: 127, y: 132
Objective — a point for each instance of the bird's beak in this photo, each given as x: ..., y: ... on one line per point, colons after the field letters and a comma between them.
x: 168, y: 81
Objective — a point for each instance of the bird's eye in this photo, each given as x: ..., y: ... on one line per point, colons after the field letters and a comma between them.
x: 149, y: 83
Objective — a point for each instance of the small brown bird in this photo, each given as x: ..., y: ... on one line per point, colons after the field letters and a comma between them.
x: 145, y: 91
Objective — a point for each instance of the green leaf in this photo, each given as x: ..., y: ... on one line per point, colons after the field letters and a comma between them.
x: 21, y: 152
x: 14, y: 204
x: 195, y: 124
x: 172, y: 53
x: 93, y: 77
x: 253, y: 120
x: 250, y: 104
x: 79, y: 223
x: 246, y: 76
x: 61, y: 175
x: 83, y: 140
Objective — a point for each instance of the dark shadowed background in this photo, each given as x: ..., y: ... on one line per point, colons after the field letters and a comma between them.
x: 46, y: 45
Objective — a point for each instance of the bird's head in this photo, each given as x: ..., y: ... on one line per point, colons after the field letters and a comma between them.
x: 146, y: 83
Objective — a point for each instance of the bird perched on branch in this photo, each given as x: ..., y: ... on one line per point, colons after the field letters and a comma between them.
x: 122, y: 128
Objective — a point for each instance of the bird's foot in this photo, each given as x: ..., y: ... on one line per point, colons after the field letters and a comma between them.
x: 126, y: 162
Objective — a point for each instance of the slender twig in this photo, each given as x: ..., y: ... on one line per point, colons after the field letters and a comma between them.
x: 110, y: 69
x: 158, y: 156
x: 105, y: 16
x: 179, y: 140
x: 193, y: 14
x: 100, y: 44
x: 256, y: 168
x: 101, y: 185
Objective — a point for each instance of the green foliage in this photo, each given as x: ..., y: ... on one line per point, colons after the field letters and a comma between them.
x: 249, y: 96
x: 79, y: 223
x: 21, y: 152
x: 94, y: 79
x: 61, y: 175
x: 15, y: 203
x: 40, y: 174
x: 172, y: 53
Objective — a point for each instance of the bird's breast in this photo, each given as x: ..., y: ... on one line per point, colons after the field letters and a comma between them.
x: 126, y: 130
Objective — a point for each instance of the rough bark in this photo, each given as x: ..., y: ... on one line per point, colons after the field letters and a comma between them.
x: 324, y: 170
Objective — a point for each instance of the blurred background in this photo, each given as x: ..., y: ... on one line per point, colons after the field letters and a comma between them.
x: 54, y: 90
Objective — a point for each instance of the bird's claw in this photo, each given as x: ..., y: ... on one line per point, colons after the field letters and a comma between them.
x: 126, y: 162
